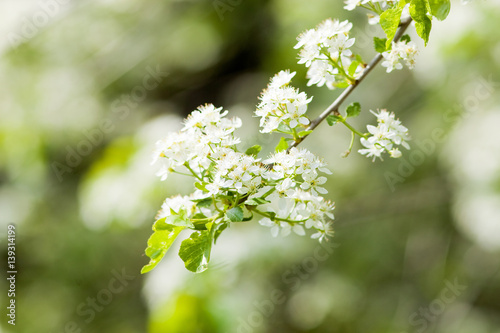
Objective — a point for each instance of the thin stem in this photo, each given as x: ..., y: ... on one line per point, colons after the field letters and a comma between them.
x: 348, y: 151
x: 208, y: 219
x: 334, y: 107
x: 215, y: 205
x: 353, y: 129
x: 277, y: 218
x: 192, y: 171
x: 268, y: 192
x: 182, y: 173
x: 236, y: 202
x: 338, y: 66
x: 295, y: 135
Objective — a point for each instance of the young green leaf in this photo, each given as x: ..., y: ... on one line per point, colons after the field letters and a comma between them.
x: 282, y: 145
x: 353, y: 110
x: 342, y: 84
x: 159, y: 242
x: 284, y: 128
x: 423, y: 24
x: 304, y: 133
x: 178, y: 220
x: 352, y: 67
x: 333, y: 119
x: 201, y: 186
x: 254, y: 150
x: 199, y: 226
x: 272, y: 215
x: 389, y: 21
x: 380, y: 44
x: 204, y: 203
x: 405, y: 38
x: 235, y: 214
x: 195, y: 251
x: 439, y: 8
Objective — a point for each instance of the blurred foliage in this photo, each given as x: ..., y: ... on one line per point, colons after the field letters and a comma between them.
x: 394, y: 251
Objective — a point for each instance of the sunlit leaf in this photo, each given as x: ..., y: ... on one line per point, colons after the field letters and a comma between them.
x: 159, y: 242
x: 195, y: 251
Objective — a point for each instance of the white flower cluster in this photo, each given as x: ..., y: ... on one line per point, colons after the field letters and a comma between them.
x: 204, y: 129
x: 282, y: 104
x: 295, y: 203
x: 285, y: 189
x: 325, y: 51
x: 401, y: 50
x: 235, y: 172
x: 388, y: 133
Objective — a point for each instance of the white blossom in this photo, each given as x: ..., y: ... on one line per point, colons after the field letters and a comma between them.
x: 352, y: 4
x: 286, y: 187
x: 282, y: 104
x: 324, y: 232
x: 400, y: 51
x: 388, y: 132
x: 326, y: 49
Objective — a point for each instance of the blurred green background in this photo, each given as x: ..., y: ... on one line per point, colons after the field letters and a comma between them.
x: 88, y: 87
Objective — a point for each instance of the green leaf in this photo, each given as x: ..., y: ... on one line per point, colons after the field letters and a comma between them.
x: 199, y: 216
x: 178, y: 220
x: 423, y: 24
x: 203, y: 203
x: 282, y: 145
x: 342, y: 84
x: 304, y: 133
x: 195, y: 251
x: 201, y: 186
x: 159, y: 242
x: 439, y: 8
x: 405, y: 38
x: 284, y: 128
x: 254, y: 150
x: 352, y: 67
x: 199, y: 226
x: 424, y: 29
x: 235, y: 214
x: 220, y: 229
x: 333, y: 119
x: 353, y: 110
x: 272, y: 215
x: 389, y: 21
x: 380, y: 44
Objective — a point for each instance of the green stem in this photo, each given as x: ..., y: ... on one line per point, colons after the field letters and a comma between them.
x: 353, y: 129
x: 268, y: 192
x: 236, y: 202
x: 208, y: 219
x: 182, y: 173
x: 277, y: 218
x: 215, y: 205
x: 192, y: 171
x: 336, y: 65
x: 353, y: 136
x: 295, y: 135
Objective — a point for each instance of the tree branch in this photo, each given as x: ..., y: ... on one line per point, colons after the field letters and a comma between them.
x: 334, y: 107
